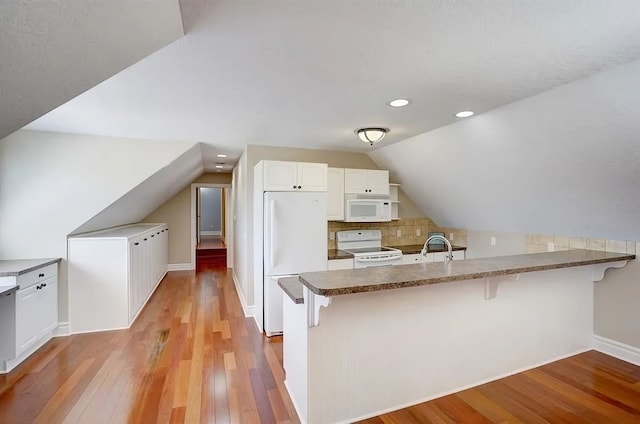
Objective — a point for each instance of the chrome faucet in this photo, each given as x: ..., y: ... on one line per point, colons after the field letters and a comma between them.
x: 448, y: 257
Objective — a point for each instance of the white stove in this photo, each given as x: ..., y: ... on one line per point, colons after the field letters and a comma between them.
x: 366, y: 248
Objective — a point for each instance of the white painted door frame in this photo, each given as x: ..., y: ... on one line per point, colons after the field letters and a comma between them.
x: 227, y: 223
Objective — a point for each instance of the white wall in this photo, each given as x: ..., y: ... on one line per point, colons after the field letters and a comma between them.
x: 52, y: 183
x: 562, y: 162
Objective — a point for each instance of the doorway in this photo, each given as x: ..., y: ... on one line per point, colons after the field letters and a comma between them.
x: 210, y: 236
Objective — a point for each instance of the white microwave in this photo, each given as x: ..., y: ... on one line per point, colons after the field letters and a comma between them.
x: 367, y: 210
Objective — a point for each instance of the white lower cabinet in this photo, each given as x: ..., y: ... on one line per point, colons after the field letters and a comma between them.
x: 112, y: 274
x: 334, y: 264
x: 415, y: 258
x: 28, y: 315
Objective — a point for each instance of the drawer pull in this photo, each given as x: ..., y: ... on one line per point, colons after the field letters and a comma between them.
x: 40, y: 275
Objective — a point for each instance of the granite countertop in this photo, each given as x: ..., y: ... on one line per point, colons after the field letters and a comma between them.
x: 339, y: 254
x: 13, y: 268
x: 332, y: 283
x: 293, y: 288
x: 411, y: 249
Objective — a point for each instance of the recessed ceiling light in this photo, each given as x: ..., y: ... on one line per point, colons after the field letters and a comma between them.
x: 222, y: 156
x: 218, y: 166
x: 399, y: 102
x: 464, y: 114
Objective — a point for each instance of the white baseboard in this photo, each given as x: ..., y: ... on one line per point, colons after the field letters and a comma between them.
x: 62, y: 329
x: 616, y: 349
x: 295, y: 404
x: 180, y: 267
x: 249, y: 310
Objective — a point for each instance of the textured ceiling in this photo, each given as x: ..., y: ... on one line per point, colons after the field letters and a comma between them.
x: 51, y: 51
x: 307, y: 74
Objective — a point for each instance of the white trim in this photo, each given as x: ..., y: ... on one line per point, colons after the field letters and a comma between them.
x: 295, y: 404
x: 616, y: 349
x: 459, y: 389
x: 210, y: 233
x: 62, y: 329
x: 180, y: 267
x: 249, y: 310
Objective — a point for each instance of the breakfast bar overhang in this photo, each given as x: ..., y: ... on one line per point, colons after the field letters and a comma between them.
x: 367, y: 341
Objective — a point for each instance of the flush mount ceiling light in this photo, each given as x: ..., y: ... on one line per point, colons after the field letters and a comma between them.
x: 464, y: 114
x: 399, y: 102
x: 371, y: 135
x: 221, y: 156
x: 219, y: 166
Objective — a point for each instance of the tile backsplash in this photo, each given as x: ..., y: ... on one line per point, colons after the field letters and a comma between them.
x: 400, y: 232
x: 546, y: 243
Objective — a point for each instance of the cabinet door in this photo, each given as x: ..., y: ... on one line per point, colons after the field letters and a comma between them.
x: 355, y: 181
x: 312, y: 176
x: 413, y: 259
x: 280, y: 176
x: 335, y: 194
x: 378, y: 181
x: 27, y: 317
x: 339, y: 264
x: 48, y: 294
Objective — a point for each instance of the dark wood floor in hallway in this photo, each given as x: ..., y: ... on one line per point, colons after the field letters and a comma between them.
x: 191, y: 357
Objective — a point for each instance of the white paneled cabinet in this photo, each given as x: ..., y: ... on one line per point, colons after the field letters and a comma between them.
x: 335, y: 194
x: 28, y: 315
x: 294, y: 176
x: 366, y: 181
x: 112, y: 274
x: 334, y: 264
x: 415, y: 258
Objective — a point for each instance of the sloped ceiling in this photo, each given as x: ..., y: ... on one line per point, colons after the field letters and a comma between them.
x: 51, y: 51
x: 150, y: 193
x: 564, y: 162
x: 308, y: 73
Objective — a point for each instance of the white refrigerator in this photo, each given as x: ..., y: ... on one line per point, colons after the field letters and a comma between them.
x: 295, y: 241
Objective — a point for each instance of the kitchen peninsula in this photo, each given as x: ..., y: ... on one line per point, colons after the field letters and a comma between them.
x: 371, y: 340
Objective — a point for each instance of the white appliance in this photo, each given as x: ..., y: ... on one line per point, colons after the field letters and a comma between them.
x: 366, y: 209
x: 295, y: 241
x: 366, y: 248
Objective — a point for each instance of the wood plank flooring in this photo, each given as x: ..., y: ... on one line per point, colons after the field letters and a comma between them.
x: 191, y: 357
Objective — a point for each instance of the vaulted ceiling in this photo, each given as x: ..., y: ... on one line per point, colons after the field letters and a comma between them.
x: 303, y: 74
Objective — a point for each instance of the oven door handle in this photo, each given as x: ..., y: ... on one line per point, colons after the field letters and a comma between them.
x: 379, y: 259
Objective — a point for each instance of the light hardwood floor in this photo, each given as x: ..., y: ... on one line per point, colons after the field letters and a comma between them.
x: 192, y: 357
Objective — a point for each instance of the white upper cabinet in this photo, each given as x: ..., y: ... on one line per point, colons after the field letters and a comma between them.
x: 335, y: 194
x: 294, y: 176
x: 366, y: 181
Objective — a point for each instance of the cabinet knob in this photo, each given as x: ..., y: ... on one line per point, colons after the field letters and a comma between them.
x: 145, y: 239
x: 153, y: 235
x: 40, y: 275
x: 294, y: 187
x: 299, y: 187
x: 44, y: 284
x: 135, y: 244
x: 38, y: 287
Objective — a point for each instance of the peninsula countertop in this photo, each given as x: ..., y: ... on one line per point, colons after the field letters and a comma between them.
x: 333, y: 283
x: 11, y: 269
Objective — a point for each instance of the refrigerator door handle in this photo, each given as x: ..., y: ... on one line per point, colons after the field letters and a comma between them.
x: 272, y: 234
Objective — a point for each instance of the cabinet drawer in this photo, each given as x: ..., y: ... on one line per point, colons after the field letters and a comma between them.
x: 37, y: 275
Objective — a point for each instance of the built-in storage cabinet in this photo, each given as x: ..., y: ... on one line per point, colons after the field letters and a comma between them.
x: 366, y: 181
x: 28, y: 314
x: 294, y: 176
x: 112, y: 274
x: 335, y: 194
